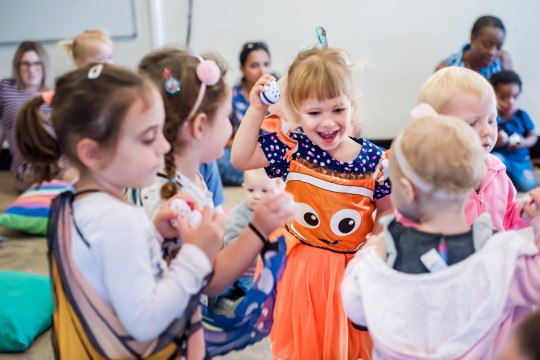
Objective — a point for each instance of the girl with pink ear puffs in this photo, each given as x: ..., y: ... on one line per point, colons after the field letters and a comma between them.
x: 197, y: 103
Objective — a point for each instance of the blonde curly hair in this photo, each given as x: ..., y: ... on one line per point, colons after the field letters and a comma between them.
x: 440, y: 87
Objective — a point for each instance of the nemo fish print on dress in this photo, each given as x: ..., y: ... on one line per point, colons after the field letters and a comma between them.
x: 333, y: 213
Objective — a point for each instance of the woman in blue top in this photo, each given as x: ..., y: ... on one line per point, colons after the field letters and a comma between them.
x: 254, y: 62
x: 484, y: 53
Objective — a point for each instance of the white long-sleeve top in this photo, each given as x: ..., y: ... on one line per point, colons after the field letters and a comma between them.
x: 120, y: 256
x: 465, y: 311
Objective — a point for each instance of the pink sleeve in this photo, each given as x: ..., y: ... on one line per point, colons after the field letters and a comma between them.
x: 525, y: 287
x: 405, y: 221
x: 512, y: 217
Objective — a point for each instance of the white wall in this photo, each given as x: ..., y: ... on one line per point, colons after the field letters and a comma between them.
x: 399, y: 42
x: 127, y: 52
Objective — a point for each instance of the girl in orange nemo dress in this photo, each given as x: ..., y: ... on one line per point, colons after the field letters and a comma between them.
x: 338, y: 181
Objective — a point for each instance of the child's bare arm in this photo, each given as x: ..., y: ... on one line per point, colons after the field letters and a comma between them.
x: 231, y: 262
x: 384, y: 207
x: 530, y: 140
x: 246, y: 153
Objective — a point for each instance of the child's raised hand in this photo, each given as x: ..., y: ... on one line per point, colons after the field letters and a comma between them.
x: 254, y: 96
x: 273, y: 211
x: 531, y: 208
x: 208, y: 235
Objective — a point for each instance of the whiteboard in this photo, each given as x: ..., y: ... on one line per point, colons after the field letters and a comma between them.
x: 53, y: 20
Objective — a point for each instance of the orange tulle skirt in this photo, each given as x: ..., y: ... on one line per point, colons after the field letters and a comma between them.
x: 309, y: 319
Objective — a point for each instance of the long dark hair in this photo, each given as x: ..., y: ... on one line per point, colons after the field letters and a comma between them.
x: 81, y: 108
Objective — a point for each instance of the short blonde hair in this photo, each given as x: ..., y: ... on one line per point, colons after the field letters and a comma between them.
x: 77, y: 47
x: 444, y: 153
x: 257, y: 172
x: 447, y: 82
x: 321, y: 73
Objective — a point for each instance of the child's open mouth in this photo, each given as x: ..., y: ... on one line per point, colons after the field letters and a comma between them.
x: 328, y: 136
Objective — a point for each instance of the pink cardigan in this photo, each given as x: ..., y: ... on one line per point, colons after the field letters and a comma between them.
x: 496, y: 196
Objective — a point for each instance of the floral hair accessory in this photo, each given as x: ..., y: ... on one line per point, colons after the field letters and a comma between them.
x: 321, y: 36
x: 95, y: 71
x: 48, y: 97
x: 172, y: 84
x: 209, y: 74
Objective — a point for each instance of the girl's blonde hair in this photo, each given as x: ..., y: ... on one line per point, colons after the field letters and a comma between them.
x: 447, y: 82
x: 443, y: 152
x: 321, y: 73
x: 77, y: 47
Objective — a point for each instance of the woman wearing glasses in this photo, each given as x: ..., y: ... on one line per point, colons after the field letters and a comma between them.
x: 254, y: 62
x: 30, y: 66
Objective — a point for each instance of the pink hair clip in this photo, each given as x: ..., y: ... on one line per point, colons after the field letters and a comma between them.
x: 172, y: 84
x: 48, y: 97
x: 209, y: 73
x: 423, y: 110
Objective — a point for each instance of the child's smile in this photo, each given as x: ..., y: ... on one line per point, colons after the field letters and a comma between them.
x: 328, y: 136
x: 326, y: 122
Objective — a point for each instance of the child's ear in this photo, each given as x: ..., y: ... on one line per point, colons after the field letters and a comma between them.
x: 409, y: 190
x: 199, y: 125
x: 90, y: 154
